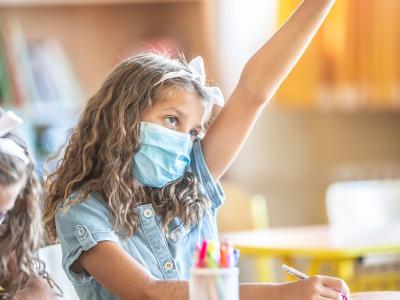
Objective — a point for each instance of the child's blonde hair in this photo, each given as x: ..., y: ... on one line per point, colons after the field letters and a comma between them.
x: 21, y: 233
x: 99, y: 152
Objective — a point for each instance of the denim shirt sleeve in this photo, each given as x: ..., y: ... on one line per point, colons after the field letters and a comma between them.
x: 79, y: 229
x: 200, y: 169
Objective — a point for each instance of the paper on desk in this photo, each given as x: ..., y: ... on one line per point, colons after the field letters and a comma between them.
x: 376, y: 296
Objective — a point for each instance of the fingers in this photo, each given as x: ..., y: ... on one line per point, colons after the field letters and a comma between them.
x: 321, y: 291
x: 318, y: 288
x: 329, y: 293
x: 329, y: 287
x: 336, y: 284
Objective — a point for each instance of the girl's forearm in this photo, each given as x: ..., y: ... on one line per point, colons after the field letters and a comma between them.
x: 179, y: 290
x: 169, y: 290
x: 270, y: 65
x: 256, y: 291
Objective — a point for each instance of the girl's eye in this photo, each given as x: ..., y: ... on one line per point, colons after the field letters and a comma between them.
x: 172, y: 121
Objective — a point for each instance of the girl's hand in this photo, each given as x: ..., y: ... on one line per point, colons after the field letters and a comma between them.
x: 314, y: 288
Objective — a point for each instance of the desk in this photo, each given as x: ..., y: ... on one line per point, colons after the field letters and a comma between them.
x: 316, y: 242
x: 376, y: 296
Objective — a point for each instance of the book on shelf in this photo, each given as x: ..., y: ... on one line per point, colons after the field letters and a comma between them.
x: 9, y: 38
x: 4, y: 81
x: 36, y: 76
x: 37, y: 80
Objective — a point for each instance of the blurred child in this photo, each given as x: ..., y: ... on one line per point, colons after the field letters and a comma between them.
x: 21, y: 272
x: 137, y: 188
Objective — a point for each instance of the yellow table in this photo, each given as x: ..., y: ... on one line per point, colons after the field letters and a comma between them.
x: 316, y: 243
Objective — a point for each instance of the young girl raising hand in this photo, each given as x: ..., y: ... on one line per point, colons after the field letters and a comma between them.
x: 137, y: 188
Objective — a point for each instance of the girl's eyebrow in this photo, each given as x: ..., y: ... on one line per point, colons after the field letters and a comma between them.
x: 181, y: 114
x: 178, y: 112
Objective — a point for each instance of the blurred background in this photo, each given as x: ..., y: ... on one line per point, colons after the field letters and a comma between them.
x: 335, y: 118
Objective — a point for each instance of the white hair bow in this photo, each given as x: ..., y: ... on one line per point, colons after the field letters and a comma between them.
x: 197, y: 73
x: 8, y: 122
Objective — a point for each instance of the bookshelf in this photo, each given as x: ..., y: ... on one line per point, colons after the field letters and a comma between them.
x: 25, y: 3
x: 96, y: 34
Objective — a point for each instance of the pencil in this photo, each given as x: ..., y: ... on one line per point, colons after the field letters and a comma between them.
x: 294, y: 272
x: 301, y: 275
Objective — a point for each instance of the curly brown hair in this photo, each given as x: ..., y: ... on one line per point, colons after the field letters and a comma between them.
x: 21, y: 233
x: 99, y: 152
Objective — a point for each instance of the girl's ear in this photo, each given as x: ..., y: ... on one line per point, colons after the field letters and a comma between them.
x: 214, y: 113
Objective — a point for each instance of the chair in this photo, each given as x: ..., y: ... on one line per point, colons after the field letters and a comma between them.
x: 359, y: 211
x: 52, y: 257
x: 243, y: 210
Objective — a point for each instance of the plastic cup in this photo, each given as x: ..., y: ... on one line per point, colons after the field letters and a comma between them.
x: 214, y: 284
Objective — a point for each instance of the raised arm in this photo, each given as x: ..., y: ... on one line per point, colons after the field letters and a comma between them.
x: 259, y: 80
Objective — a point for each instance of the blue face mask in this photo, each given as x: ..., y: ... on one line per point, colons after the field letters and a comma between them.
x: 163, y: 157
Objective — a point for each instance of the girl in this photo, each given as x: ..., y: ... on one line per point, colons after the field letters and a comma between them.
x: 20, y: 219
x: 137, y: 187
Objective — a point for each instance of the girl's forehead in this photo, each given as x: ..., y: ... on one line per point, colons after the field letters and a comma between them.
x: 186, y: 101
x: 177, y: 96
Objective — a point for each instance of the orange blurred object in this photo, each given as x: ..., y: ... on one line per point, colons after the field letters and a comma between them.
x: 353, y: 62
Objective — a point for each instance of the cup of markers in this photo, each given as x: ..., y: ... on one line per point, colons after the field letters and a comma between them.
x: 214, y: 275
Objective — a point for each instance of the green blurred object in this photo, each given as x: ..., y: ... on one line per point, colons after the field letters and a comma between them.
x: 5, y: 96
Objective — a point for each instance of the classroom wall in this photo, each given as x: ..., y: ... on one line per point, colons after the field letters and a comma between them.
x: 241, y: 30
x: 292, y: 156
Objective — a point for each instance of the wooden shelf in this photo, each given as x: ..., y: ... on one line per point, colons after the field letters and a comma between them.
x: 96, y: 37
x: 51, y: 3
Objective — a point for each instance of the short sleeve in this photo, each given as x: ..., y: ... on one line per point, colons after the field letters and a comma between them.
x: 79, y: 229
x: 200, y: 169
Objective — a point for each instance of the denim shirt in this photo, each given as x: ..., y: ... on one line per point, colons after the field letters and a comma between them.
x: 164, y: 254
